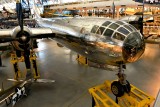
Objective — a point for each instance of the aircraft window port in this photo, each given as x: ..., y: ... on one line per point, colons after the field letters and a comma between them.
x: 108, y: 32
x: 123, y: 30
x: 126, y: 26
x: 114, y: 26
x: 94, y: 29
x: 66, y: 12
x: 120, y: 23
x: 106, y: 23
x: 100, y: 30
x: 118, y: 36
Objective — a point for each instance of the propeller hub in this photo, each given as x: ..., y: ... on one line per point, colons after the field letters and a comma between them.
x: 23, y: 38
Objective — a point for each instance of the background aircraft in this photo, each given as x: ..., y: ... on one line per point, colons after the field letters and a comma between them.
x: 20, y: 89
x: 9, y: 10
x: 21, y: 37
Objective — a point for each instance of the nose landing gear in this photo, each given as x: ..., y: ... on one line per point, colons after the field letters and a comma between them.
x: 126, y: 94
x: 121, y: 86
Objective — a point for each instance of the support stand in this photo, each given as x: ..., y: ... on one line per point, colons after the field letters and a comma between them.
x: 34, y: 65
x: 102, y: 97
x: 15, y: 60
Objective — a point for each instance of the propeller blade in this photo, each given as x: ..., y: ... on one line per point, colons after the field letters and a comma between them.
x: 134, y: 22
x: 42, y: 36
x: 27, y: 62
x: 113, y: 10
x: 19, y: 13
x: 141, y: 24
x: 0, y: 60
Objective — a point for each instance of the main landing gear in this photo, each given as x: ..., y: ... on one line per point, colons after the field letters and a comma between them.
x: 121, y: 86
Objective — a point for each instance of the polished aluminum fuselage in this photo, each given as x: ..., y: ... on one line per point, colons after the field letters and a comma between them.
x: 79, y: 38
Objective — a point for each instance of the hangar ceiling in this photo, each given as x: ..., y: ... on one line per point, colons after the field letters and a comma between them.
x: 47, y: 1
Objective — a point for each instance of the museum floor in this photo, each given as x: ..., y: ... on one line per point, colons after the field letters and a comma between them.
x: 74, y: 80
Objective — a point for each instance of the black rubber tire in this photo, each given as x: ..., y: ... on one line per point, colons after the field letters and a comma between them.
x: 127, y: 87
x: 117, y: 89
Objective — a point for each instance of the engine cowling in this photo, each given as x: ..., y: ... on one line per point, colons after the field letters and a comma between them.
x: 23, y: 37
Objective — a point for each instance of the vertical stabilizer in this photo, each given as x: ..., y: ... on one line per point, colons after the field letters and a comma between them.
x: 36, y: 11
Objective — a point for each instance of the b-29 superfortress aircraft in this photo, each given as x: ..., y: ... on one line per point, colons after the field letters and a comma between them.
x: 101, y: 40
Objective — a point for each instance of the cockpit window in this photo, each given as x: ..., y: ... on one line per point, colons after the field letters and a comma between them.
x: 118, y: 36
x: 100, y: 30
x: 114, y: 26
x: 133, y: 27
x: 119, y: 22
x: 108, y: 32
x: 126, y: 26
x: 94, y: 29
x: 123, y: 30
x: 106, y: 23
x: 134, y: 39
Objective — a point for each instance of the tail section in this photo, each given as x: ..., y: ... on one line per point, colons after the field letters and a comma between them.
x: 36, y: 11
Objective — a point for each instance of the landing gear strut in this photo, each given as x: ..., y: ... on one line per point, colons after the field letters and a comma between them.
x: 121, y: 86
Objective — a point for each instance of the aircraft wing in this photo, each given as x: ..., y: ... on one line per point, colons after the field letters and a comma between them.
x: 43, y: 31
x: 5, y: 33
x: 36, y: 32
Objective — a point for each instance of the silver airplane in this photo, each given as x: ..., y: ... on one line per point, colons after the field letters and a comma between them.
x: 102, y: 41
x: 9, y: 10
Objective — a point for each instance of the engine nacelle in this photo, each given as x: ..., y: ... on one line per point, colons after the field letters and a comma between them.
x: 23, y: 37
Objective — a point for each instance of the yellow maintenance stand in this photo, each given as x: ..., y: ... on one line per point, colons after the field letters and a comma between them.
x: 127, y: 94
x: 15, y: 60
x: 82, y: 60
x: 101, y: 95
x: 33, y: 58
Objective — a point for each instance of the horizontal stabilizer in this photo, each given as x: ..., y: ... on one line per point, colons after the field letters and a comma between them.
x: 15, y: 80
x: 34, y: 81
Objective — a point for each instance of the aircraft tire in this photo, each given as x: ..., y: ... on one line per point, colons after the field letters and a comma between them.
x: 117, y: 89
x: 127, y: 87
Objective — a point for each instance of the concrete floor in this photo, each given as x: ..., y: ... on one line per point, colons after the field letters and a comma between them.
x: 74, y: 80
